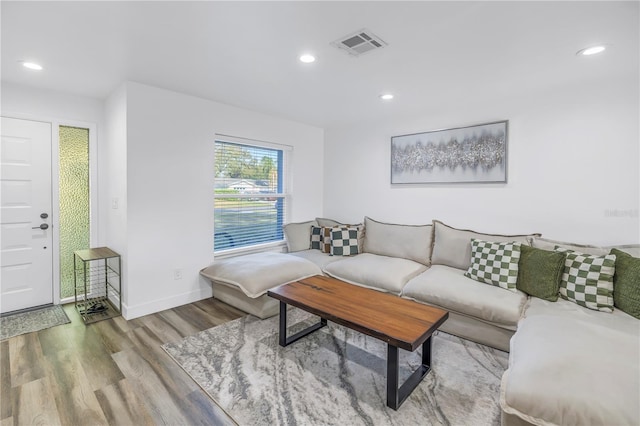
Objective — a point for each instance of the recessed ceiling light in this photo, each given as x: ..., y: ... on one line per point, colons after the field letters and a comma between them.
x: 307, y: 58
x: 32, y: 66
x: 593, y: 50
x: 386, y: 96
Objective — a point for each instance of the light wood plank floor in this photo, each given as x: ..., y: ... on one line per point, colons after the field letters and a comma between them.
x: 111, y: 372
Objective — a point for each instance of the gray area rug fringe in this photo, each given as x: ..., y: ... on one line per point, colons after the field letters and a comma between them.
x: 336, y: 376
x: 27, y: 322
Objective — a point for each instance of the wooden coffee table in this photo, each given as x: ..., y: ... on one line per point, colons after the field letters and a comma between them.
x: 401, y: 323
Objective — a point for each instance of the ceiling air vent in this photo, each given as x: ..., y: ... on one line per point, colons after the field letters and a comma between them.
x: 359, y: 42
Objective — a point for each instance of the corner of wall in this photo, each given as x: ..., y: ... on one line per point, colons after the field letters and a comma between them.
x: 112, y: 166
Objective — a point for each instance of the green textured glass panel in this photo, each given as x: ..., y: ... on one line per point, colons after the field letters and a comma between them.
x: 74, y: 201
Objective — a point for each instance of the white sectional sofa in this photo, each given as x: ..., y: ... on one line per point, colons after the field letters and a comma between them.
x: 567, y: 365
x: 572, y: 366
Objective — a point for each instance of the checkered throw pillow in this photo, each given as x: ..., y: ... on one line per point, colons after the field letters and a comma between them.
x: 494, y: 263
x: 588, y: 280
x: 316, y: 237
x: 325, y: 245
x: 344, y: 241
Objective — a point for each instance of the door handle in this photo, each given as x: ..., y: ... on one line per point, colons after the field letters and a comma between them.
x: 43, y: 226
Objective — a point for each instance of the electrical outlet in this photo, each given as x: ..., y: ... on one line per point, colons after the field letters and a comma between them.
x: 115, y: 203
x: 177, y: 274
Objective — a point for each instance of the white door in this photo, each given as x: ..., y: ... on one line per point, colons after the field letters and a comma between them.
x: 25, y: 215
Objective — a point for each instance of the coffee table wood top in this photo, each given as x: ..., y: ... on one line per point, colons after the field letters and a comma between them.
x: 400, y: 322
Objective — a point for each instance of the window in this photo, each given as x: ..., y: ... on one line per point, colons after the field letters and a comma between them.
x: 75, y: 212
x: 250, y: 194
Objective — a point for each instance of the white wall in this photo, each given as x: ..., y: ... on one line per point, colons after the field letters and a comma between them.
x: 169, y: 193
x: 113, y: 179
x: 29, y: 102
x: 573, y: 168
x: 155, y: 152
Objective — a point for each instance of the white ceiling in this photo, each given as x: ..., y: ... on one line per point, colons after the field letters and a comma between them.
x: 439, y: 54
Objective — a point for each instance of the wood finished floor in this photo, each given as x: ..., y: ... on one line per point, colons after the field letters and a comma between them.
x: 112, y: 372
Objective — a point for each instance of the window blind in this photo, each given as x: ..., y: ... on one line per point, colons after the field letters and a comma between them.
x: 250, y: 197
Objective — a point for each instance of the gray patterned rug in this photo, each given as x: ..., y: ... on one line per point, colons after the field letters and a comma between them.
x: 336, y: 376
x: 26, y: 322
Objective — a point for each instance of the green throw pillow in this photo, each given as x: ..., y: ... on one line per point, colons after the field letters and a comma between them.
x: 626, y: 283
x: 539, y: 272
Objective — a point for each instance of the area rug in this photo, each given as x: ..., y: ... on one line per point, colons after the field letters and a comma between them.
x: 336, y: 376
x: 26, y: 322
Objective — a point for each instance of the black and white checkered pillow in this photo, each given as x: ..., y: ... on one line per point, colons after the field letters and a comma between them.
x: 588, y: 280
x: 494, y: 263
x: 316, y: 237
x: 344, y: 241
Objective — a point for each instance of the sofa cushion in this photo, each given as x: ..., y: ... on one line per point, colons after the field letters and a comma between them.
x: 379, y: 272
x: 632, y: 249
x: 564, y: 310
x: 256, y: 273
x: 322, y: 221
x: 539, y: 272
x: 298, y: 235
x: 568, y: 367
x: 626, y: 283
x: 344, y: 241
x: 452, y: 247
x: 588, y: 280
x: 494, y: 263
x: 317, y: 257
x: 411, y: 242
x: 547, y: 244
x: 448, y: 288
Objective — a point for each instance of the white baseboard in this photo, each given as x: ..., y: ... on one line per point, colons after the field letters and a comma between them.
x: 131, y: 312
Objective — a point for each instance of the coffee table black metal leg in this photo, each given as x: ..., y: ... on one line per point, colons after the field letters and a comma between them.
x: 396, y: 395
x: 284, y: 340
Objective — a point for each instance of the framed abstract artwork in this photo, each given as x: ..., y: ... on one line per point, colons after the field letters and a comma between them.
x: 472, y: 154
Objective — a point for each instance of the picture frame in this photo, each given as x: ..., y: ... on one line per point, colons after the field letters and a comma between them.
x: 470, y: 154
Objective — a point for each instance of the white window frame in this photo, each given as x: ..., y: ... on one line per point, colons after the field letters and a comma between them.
x: 287, y: 152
